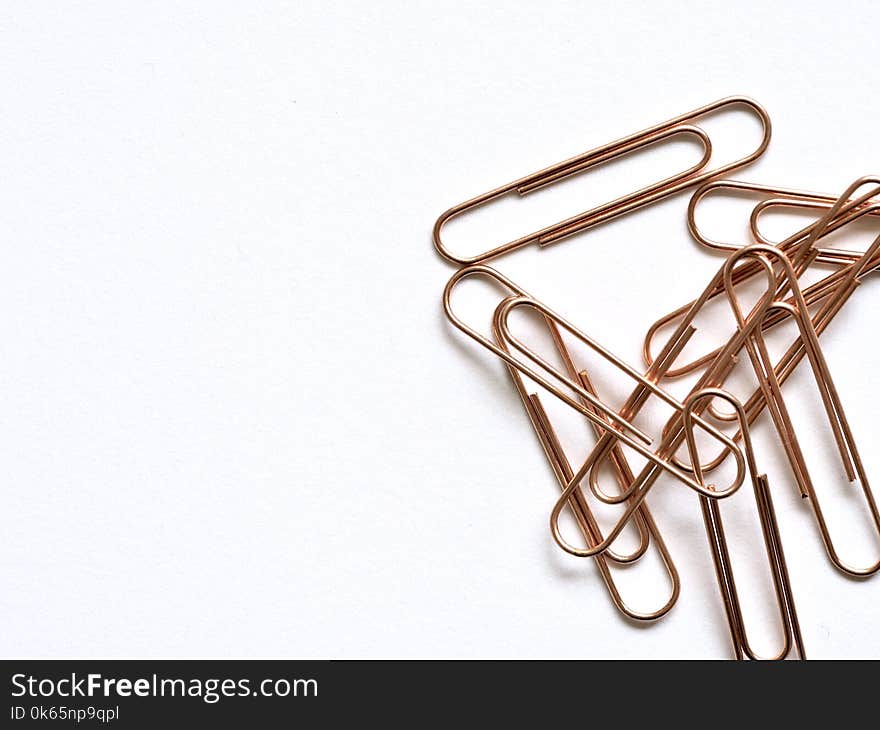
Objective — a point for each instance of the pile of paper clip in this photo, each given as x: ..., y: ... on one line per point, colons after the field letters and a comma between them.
x: 776, y: 268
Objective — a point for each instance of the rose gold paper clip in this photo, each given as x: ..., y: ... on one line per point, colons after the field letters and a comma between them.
x: 711, y: 509
x: 770, y: 377
x: 580, y: 508
x: 800, y: 247
x: 610, y: 422
x: 790, y: 629
x: 780, y: 197
x: 694, y: 175
x: 770, y: 381
x: 713, y: 377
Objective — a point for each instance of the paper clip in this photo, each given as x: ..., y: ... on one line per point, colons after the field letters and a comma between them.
x: 689, y: 177
x: 841, y: 284
x: 770, y: 377
x: 713, y: 377
x: 711, y: 509
x: 770, y: 380
x: 799, y: 247
x: 599, y: 413
x: 578, y: 504
x: 776, y: 197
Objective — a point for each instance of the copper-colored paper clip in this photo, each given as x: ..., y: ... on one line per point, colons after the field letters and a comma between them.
x: 580, y: 508
x: 673, y: 450
x: 770, y: 377
x: 575, y: 498
x: 779, y: 197
x: 799, y: 247
x: 714, y: 377
x: 612, y: 424
x: 770, y: 389
x: 701, y: 397
x: 693, y: 175
x: 711, y: 509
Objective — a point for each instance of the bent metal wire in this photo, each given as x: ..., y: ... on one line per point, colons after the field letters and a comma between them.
x: 770, y: 377
x: 693, y: 175
x: 811, y: 308
x: 609, y: 421
x: 673, y: 433
x: 589, y: 527
x: 791, y: 634
x: 775, y: 197
x: 800, y: 247
x: 711, y: 509
x: 770, y: 389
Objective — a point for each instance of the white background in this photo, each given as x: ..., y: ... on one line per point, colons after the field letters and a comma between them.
x: 234, y: 419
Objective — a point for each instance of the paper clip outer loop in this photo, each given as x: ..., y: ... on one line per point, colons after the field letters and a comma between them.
x: 693, y: 175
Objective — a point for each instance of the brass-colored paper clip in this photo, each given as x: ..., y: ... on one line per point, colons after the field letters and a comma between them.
x: 711, y: 509
x: 693, y: 175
